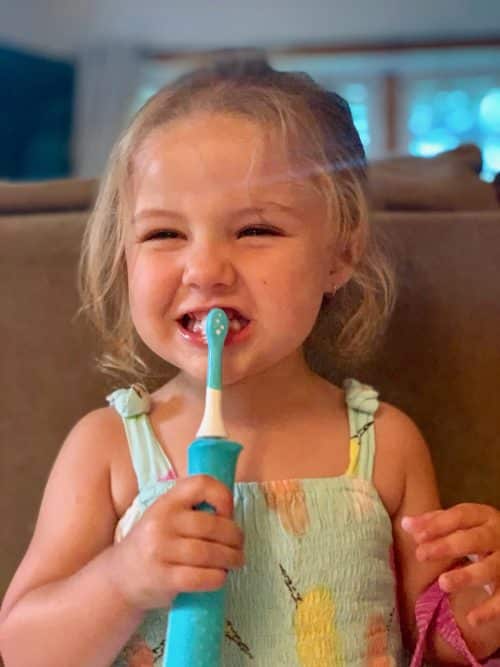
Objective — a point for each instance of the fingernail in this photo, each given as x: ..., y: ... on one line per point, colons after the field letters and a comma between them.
x: 447, y: 582
x: 407, y: 523
x: 489, y: 588
x: 444, y: 583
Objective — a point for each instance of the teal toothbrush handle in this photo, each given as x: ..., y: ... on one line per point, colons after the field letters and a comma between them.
x: 196, y: 620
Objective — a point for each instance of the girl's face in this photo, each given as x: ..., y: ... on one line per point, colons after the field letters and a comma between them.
x: 221, y: 220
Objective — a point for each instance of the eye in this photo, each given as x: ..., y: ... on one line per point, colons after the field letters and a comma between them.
x: 259, y: 230
x: 161, y: 234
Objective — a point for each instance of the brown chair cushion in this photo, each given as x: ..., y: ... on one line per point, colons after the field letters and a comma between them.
x: 440, y: 360
x: 70, y: 194
x: 447, y: 182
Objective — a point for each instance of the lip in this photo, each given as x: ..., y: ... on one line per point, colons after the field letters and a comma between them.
x: 232, y: 338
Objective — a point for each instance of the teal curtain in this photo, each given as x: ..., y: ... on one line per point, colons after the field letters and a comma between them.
x: 36, y: 108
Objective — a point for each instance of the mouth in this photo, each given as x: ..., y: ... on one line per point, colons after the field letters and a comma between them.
x: 191, y: 325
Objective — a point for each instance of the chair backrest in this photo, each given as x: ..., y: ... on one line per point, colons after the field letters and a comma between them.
x: 440, y: 360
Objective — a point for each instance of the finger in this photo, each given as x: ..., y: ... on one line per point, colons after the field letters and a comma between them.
x: 196, y: 489
x: 209, y: 527
x: 196, y: 580
x: 489, y: 610
x: 483, y: 573
x: 443, y: 522
x: 418, y: 522
x: 458, y: 544
x: 198, y: 553
x: 416, y: 526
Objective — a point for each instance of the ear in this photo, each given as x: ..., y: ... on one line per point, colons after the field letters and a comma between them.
x: 339, y: 275
x: 344, y: 263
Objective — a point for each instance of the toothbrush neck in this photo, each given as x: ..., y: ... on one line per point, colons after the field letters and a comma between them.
x: 214, y: 368
x: 212, y: 423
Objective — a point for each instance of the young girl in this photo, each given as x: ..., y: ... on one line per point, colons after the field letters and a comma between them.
x: 245, y: 193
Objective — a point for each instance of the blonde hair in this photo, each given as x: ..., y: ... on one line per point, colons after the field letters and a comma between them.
x: 317, y: 129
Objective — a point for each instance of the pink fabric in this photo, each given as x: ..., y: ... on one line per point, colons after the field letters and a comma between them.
x: 434, y: 614
x: 169, y: 475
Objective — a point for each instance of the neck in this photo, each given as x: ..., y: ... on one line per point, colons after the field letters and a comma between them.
x: 260, y: 397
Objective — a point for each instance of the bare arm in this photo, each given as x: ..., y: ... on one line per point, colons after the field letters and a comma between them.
x: 76, y: 597
x: 62, y: 607
x: 416, y: 575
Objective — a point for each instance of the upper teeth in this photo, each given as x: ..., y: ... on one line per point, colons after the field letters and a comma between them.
x: 196, y: 323
x: 200, y: 318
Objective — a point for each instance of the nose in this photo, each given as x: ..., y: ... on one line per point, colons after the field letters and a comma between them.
x: 209, y: 266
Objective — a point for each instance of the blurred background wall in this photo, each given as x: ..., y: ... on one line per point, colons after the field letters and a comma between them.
x: 420, y: 77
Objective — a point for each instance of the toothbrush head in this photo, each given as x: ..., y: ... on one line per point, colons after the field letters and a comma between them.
x: 215, y: 329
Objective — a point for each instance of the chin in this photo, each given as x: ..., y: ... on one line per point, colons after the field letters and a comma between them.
x: 234, y: 374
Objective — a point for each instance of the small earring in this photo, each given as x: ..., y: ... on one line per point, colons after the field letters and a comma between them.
x: 329, y: 295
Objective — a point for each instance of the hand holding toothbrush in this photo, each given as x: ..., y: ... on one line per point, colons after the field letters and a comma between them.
x: 176, y: 549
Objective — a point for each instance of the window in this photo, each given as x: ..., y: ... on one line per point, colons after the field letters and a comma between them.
x: 403, y: 100
x: 346, y: 75
x: 445, y: 112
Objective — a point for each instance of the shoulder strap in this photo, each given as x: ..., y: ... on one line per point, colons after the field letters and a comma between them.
x: 362, y: 404
x: 148, y: 458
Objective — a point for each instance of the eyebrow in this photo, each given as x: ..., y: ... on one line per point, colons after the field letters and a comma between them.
x: 155, y: 213
x: 166, y: 213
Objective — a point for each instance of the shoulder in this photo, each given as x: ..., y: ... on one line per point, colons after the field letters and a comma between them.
x: 396, y: 431
x: 85, y: 459
x: 103, y: 420
x: 400, y: 440
x: 89, y: 450
x: 98, y: 433
x: 95, y: 452
x: 99, y: 437
x: 400, y: 450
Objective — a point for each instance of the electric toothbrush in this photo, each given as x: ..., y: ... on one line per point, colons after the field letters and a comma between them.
x: 195, y: 629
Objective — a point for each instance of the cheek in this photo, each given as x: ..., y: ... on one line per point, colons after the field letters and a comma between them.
x: 148, y: 283
x: 293, y: 296
x: 136, y: 281
x: 301, y: 279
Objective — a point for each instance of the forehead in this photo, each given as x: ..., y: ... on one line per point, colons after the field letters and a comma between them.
x: 218, y: 153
